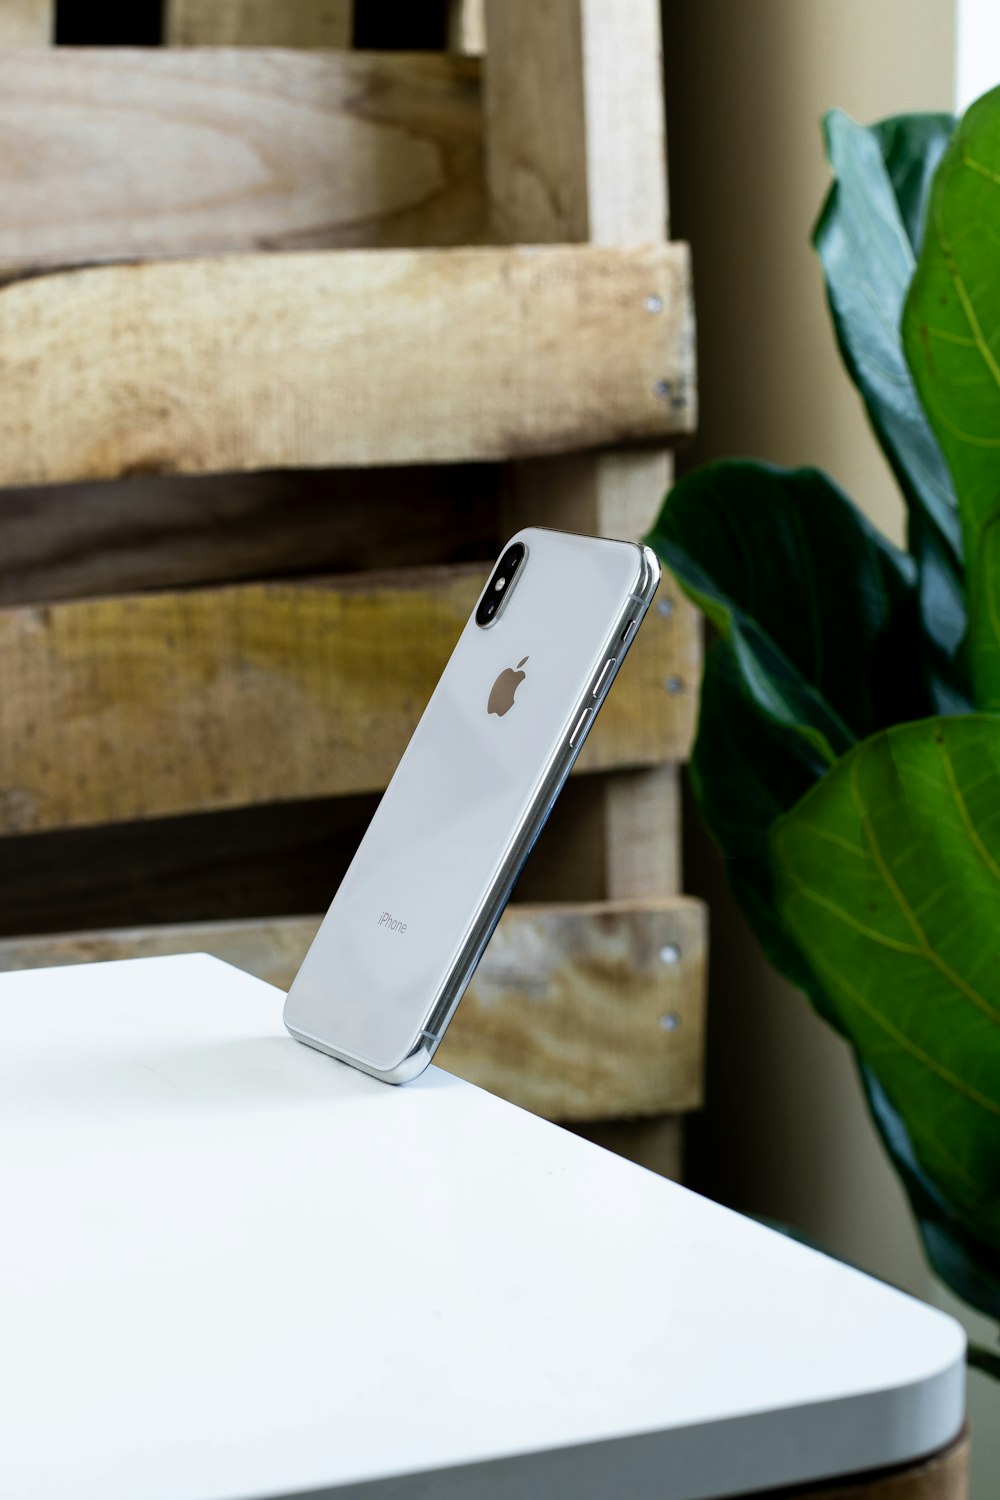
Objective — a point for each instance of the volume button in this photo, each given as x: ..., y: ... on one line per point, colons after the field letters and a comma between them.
x: 581, y: 725
x: 602, y: 675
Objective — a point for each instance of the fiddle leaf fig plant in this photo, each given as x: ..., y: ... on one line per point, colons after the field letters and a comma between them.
x: 847, y: 761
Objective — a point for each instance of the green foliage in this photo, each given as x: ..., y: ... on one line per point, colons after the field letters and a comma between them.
x: 848, y: 752
x: 887, y: 876
x: 951, y: 332
x: 867, y: 237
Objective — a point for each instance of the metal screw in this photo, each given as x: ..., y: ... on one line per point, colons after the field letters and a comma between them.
x: 670, y: 1022
x: 674, y: 685
x: 664, y: 389
x: 665, y: 607
x: 653, y: 304
x: 670, y: 953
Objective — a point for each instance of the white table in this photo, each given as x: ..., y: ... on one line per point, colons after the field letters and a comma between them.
x: 233, y: 1267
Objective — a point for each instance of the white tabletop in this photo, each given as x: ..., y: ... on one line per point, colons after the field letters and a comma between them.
x: 232, y: 1267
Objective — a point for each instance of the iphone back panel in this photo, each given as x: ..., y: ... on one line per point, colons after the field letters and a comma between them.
x: 438, y: 862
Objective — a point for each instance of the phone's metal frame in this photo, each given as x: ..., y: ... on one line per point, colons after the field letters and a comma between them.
x: 554, y: 776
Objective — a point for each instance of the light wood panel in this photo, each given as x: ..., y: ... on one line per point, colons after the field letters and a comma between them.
x: 258, y: 23
x: 467, y: 26
x: 576, y: 151
x: 573, y: 1012
x: 142, y: 706
x: 575, y: 132
x: 143, y: 152
x: 340, y: 358
x: 27, y: 23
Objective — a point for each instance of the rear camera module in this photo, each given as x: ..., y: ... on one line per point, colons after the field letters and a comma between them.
x: 498, y: 589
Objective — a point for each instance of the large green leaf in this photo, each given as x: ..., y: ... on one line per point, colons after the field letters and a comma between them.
x: 970, y: 1268
x: 745, y: 771
x: 951, y: 333
x: 887, y: 879
x: 819, y: 609
x: 951, y: 325
x: 912, y: 147
x: 984, y: 617
x: 866, y: 237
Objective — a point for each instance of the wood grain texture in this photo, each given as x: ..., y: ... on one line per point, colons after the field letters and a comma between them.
x: 258, y: 23
x: 27, y: 23
x: 575, y: 121
x: 576, y: 151
x: 141, y: 706
x: 153, y: 531
x: 565, y: 1015
x: 340, y: 358
x: 127, y: 153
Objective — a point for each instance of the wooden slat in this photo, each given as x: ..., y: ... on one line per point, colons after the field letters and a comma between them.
x: 258, y: 23
x: 576, y: 151
x: 145, y: 152
x: 27, y: 23
x: 235, y: 865
x: 467, y: 26
x: 274, y: 859
x: 573, y: 1012
x: 153, y: 531
x: 142, y: 706
x: 575, y: 122
x: 340, y: 358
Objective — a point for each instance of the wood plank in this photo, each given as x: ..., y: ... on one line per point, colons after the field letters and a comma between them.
x: 146, y: 152
x: 573, y: 1012
x: 258, y: 23
x: 235, y: 865
x: 27, y: 23
x: 340, y: 358
x: 576, y: 151
x: 467, y: 26
x: 273, y: 859
x: 146, y: 705
x: 575, y: 134
x: 165, y: 531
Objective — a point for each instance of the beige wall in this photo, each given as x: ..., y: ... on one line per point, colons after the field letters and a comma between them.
x: 785, y: 1133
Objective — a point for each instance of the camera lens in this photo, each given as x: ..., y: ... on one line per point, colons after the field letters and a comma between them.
x: 500, y: 585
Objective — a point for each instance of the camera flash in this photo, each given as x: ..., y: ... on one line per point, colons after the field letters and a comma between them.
x: 499, y: 584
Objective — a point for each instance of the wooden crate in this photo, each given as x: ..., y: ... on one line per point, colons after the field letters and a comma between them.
x: 292, y: 337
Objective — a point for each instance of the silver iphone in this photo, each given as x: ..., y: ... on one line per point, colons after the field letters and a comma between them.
x: 476, y: 783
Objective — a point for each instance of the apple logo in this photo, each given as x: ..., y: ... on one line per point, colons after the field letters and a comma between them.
x: 506, y: 685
